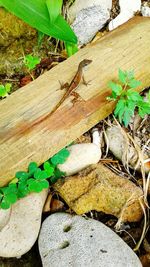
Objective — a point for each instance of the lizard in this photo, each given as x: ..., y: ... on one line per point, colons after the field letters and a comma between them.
x: 74, y: 84
x: 70, y: 89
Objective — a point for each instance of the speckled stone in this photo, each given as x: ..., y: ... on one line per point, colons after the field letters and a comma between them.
x: 74, y: 241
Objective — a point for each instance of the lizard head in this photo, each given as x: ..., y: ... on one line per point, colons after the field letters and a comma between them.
x: 85, y: 62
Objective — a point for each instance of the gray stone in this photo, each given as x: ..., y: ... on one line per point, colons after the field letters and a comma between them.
x: 74, y: 241
x: 88, y: 22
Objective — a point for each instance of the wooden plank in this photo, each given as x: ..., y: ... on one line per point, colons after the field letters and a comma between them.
x: 126, y: 47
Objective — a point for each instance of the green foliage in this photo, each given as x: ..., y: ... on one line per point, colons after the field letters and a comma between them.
x: 5, y: 89
x: 45, y: 16
x: 31, y: 61
x: 60, y: 157
x: 127, y: 98
x: 34, y: 180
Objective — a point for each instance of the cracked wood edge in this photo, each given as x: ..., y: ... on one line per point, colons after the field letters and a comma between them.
x: 127, y: 47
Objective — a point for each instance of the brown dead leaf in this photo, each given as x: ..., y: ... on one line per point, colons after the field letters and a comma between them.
x: 48, y: 203
x: 56, y: 205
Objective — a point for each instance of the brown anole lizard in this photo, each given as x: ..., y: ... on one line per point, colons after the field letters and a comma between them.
x: 74, y: 84
x: 70, y: 89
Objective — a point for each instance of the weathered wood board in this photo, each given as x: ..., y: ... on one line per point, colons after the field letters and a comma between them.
x: 127, y: 47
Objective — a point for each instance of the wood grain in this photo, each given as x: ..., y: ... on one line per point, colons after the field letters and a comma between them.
x: 127, y: 47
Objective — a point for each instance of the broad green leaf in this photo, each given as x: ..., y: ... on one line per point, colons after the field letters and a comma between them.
x: 122, y: 76
x: 54, y: 9
x: 35, y: 13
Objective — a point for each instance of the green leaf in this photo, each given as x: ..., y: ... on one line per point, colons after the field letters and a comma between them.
x: 31, y: 61
x: 134, y: 83
x: 22, y: 175
x: 22, y: 189
x: 116, y: 89
x: 122, y: 76
x: 40, y: 175
x: 143, y: 108
x: 35, y: 13
x: 127, y: 116
x: 60, y: 157
x: 58, y: 174
x: 36, y: 185
x: 119, y: 107
x: 5, y: 204
x: 9, y: 196
x: 71, y: 48
x: 48, y: 168
x: 134, y: 96
x: 14, y: 181
x: 32, y: 168
x: 3, y: 92
x: 54, y: 9
x: 8, y: 87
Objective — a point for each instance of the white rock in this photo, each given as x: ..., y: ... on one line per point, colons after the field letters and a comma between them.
x: 90, y: 16
x: 4, y: 217
x: 127, y: 11
x: 21, y: 232
x: 120, y: 145
x: 145, y: 10
x: 78, y: 5
x: 81, y: 156
x: 67, y: 240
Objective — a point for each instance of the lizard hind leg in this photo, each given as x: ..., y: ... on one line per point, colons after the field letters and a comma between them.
x: 63, y: 85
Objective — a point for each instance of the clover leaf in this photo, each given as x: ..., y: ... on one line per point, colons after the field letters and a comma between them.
x: 60, y: 157
x: 8, y: 196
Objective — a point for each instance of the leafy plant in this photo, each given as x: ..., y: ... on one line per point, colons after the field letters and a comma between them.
x: 34, y: 180
x: 45, y: 16
x: 5, y: 89
x: 31, y: 61
x: 127, y: 98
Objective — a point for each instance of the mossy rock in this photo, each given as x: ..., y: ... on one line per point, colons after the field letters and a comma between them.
x: 16, y: 39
